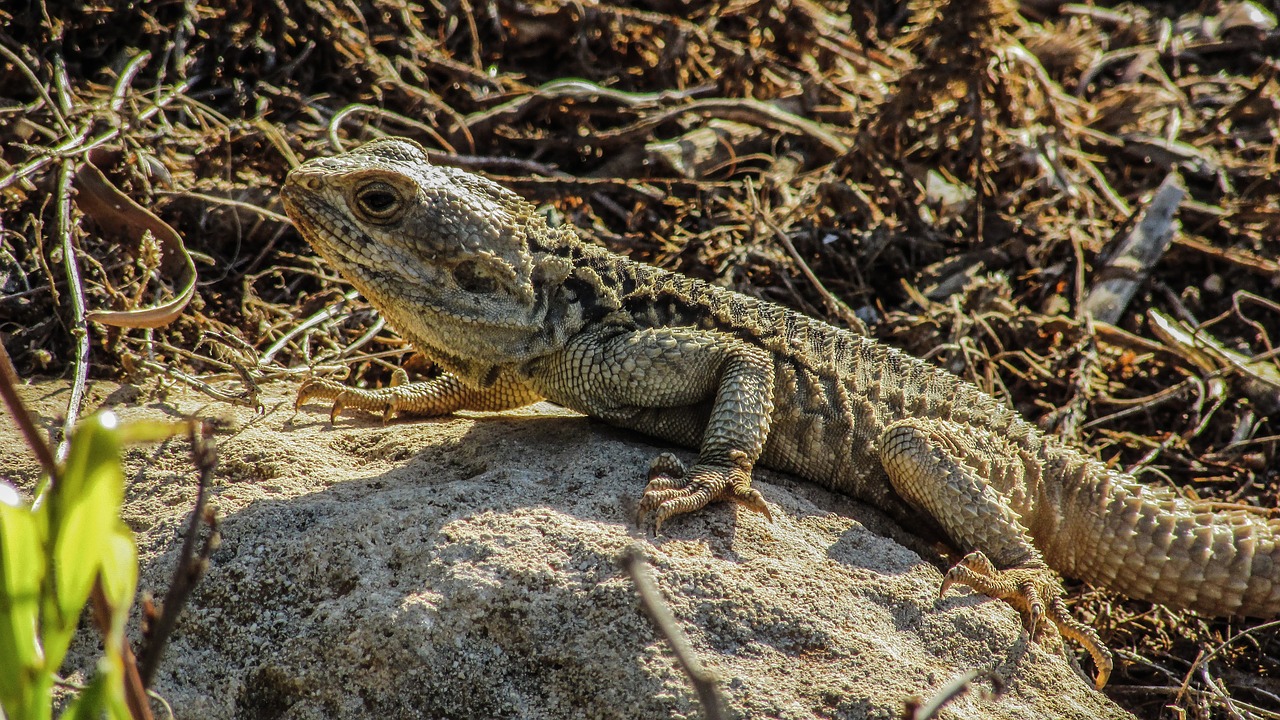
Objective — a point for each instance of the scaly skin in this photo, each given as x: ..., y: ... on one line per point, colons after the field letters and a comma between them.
x: 516, y: 311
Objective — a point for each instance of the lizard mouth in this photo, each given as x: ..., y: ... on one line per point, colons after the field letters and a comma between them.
x: 299, y: 212
x: 315, y: 222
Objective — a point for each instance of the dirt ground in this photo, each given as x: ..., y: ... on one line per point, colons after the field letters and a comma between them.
x: 1074, y: 206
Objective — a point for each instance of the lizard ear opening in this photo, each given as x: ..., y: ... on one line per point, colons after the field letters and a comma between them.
x: 485, y: 273
x: 473, y: 277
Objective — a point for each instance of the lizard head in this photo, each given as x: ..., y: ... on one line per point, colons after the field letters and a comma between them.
x: 439, y: 251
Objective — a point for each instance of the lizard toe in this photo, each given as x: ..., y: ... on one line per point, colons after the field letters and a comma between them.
x: 969, y: 572
x: 386, y: 402
x: 1025, y: 588
x: 666, y: 464
x: 339, y: 404
x: 325, y: 389
x: 667, y: 503
x: 751, y: 499
x: 1084, y: 636
x: 316, y: 387
x: 664, y: 482
x: 667, y: 483
x: 1036, y: 593
x: 667, y: 496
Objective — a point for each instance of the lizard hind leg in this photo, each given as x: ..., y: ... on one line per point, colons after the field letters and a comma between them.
x: 953, y: 472
x: 673, y: 490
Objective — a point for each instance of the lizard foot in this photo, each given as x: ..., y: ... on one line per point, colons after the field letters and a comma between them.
x: 1036, y: 593
x: 382, y: 401
x: 673, y: 490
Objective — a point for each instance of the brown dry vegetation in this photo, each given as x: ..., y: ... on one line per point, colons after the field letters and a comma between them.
x: 953, y: 173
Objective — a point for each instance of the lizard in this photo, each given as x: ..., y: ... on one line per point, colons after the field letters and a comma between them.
x: 515, y: 310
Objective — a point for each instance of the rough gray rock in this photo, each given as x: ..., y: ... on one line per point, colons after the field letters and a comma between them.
x: 467, y: 568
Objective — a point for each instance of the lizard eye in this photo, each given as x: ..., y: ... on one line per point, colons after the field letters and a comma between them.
x: 378, y: 201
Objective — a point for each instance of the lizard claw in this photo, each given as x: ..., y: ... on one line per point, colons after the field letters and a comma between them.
x: 323, y: 389
x: 673, y: 490
x: 316, y: 387
x: 1036, y: 593
x: 336, y: 409
x: 343, y: 397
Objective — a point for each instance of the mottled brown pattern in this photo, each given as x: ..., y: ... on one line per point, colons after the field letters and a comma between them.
x: 516, y: 311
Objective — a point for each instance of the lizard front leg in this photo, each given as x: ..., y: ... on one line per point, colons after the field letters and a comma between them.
x: 695, y: 387
x: 438, y: 396
x: 946, y: 470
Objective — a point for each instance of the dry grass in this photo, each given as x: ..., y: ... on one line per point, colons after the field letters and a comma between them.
x: 955, y: 173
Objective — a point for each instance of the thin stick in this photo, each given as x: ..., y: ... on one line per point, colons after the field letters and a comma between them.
x: 18, y: 410
x: 78, y: 145
x: 834, y: 305
x: 79, y: 328
x: 360, y: 342
x: 37, y: 86
x: 215, y: 200
x: 342, y: 114
x: 1206, y: 657
x: 320, y: 316
x: 921, y: 709
x: 656, y: 608
x: 131, y: 69
x: 191, y: 566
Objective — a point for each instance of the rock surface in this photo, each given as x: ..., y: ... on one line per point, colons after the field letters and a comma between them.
x: 468, y: 567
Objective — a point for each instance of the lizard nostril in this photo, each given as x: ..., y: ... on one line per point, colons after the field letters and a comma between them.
x: 302, y: 180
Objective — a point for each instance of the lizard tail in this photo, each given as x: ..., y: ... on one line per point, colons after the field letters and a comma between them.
x: 1151, y: 544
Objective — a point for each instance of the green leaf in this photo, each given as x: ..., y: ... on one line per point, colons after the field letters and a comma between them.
x: 88, y: 704
x: 119, y: 581
x: 149, y: 431
x: 23, y: 676
x: 84, y: 510
x: 50, y: 559
x: 104, y: 694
